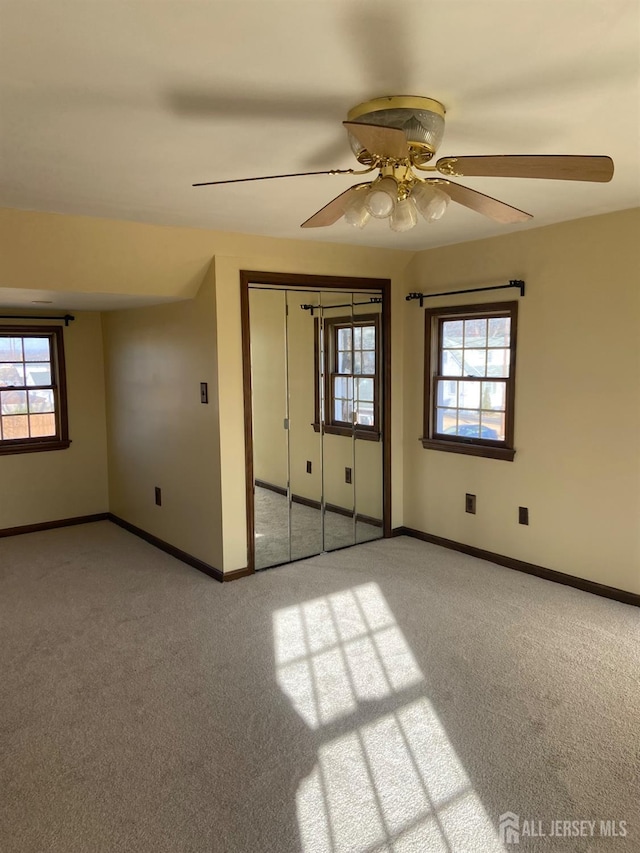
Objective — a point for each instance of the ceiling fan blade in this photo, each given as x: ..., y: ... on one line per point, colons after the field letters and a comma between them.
x: 379, y: 140
x: 554, y: 167
x: 272, y: 177
x: 332, y: 211
x: 481, y: 203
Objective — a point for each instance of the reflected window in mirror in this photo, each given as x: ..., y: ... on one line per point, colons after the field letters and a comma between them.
x: 350, y: 378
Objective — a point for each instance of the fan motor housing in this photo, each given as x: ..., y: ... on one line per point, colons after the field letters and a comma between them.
x: 422, y: 119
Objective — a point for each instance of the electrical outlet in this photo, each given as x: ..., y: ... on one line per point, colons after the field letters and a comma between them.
x: 158, y: 496
x: 347, y: 475
x: 523, y: 515
x: 470, y: 503
x: 308, y: 466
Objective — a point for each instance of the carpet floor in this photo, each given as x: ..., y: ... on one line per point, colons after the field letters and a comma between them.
x: 394, y: 696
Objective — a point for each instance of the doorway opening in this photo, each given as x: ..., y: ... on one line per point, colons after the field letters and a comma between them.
x: 317, y: 375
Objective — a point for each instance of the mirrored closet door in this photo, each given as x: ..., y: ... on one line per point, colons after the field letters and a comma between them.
x: 316, y: 399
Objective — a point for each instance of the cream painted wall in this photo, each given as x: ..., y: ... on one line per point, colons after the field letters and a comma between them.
x: 53, y: 485
x: 159, y: 433
x: 577, y: 428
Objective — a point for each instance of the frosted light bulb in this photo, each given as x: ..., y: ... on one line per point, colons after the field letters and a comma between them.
x: 381, y: 198
x: 356, y: 213
x: 404, y: 216
x: 430, y: 201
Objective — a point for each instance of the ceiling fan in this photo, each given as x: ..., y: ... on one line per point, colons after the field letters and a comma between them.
x: 397, y: 137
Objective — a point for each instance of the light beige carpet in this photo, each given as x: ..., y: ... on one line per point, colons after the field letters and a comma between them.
x: 390, y: 697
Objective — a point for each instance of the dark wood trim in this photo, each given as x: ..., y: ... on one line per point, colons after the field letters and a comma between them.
x: 194, y: 562
x: 311, y: 282
x: 21, y: 446
x: 280, y: 490
x: 50, y: 525
x: 359, y: 434
x: 236, y: 574
x: 432, y: 350
x: 470, y: 449
x: 339, y: 510
x: 528, y: 568
x: 301, y: 282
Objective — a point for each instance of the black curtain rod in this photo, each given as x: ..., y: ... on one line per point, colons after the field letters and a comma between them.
x: 66, y: 317
x: 516, y: 282
x: 375, y: 300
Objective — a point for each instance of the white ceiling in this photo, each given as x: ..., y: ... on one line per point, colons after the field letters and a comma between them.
x: 114, y: 108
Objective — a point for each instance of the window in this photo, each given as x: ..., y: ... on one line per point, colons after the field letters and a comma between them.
x: 470, y: 379
x: 33, y: 412
x: 351, y: 376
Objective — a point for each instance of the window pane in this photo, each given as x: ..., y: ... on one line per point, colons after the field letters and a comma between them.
x: 11, y: 374
x: 364, y: 389
x: 369, y: 362
x: 475, y: 362
x: 344, y: 362
x: 343, y: 410
x: 493, y: 395
x: 499, y: 332
x: 493, y: 426
x: 365, y: 414
x: 42, y: 425
x: 446, y: 420
x: 475, y: 333
x: 41, y: 401
x: 469, y: 395
x: 344, y: 339
x: 452, y: 362
x: 10, y: 349
x: 452, y: 333
x: 15, y: 426
x: 468, y: 423
x: 13, y: 402
x: 447, y: 393
x: 343, y: 387
x: 369, y: 337
x: 357, y: 362
x: 357, y: 337
x: 36, y: 349
x: 38, y: 374
x: 498, y: 362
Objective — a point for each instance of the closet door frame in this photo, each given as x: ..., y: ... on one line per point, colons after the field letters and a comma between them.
x: 320, y: 282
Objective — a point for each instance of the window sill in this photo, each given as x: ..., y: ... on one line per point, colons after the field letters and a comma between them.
x: 469, y: 449
x: 363, y: 434
x: 7, y: 448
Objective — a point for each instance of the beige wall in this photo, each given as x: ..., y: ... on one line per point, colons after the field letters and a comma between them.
x: 53, y: 485
x: 577, y: 428
x: 159, y: 433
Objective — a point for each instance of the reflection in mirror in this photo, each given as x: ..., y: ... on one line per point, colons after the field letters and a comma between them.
x: 339, y: 471
x: 367, y: 320
x: 305, y: 451
x: 267, y: 316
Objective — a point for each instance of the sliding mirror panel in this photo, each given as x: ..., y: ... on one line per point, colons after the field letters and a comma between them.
x: 305, y: 446
x: 267, y: 319
x: 367, y: 344
x: 338, y: 443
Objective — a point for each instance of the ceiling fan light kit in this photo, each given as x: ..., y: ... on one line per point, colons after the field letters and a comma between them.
x: 396, y: 135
